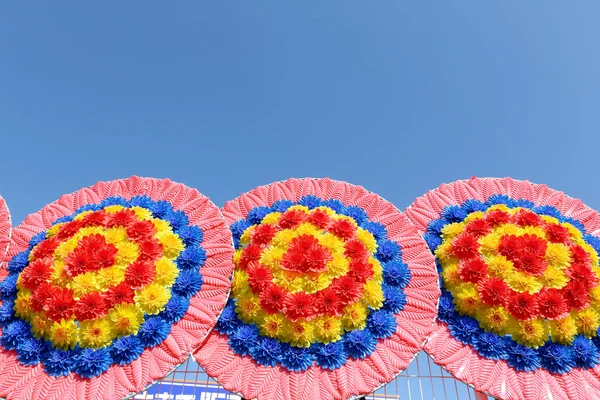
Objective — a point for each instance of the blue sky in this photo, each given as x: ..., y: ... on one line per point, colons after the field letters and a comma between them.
x: 224, y: 96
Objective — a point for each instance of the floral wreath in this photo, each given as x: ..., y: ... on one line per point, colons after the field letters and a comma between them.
x: 332, y: 296
x: 520, y: 306
x: 109, y: 288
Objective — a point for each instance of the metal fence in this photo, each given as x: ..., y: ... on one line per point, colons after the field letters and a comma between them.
x: 423, y: 380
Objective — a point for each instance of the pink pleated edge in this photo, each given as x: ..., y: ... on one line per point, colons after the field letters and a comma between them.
x: 415, y: 322
x: 5, y: 229
x: 23, y: 382
x: 462, y: 361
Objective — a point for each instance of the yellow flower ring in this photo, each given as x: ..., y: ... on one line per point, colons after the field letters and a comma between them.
x: 520, y: 305
x: 108, y: 289
x: 333, y: 293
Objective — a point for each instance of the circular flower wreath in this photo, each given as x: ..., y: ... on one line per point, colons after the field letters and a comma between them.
x: 317, y: 283
x: 103, y: 284
x: 520, y: 281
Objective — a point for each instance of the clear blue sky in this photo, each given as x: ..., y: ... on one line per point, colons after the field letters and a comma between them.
x: 224, y: 96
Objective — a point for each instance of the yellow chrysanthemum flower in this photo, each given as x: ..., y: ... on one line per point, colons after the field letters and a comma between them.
x: 339, y: 265
x: 84, y: 283
x: 127, y: 253
x: 466, y: 299
x: 377, y: 269
x: 82, y: 215
x: 574, y: 232
x: 558, y: 255
x: 373, y: 295
x: 113, y: 209
x: 451, y: 276
x: 271, y: 257
x: 592, y: 252
x: 444, y: 254
x: 498, y: 266
x: 95, y: 333
x: 328, y: 329
x: 112, y: 276
x: 239, y: 283
x: 54, y: 229
x: 332, y: 243
x: 522, y: 282
x: 65, y: 248
x: 115, y: 236
x: 355, y: 316
x: 452, y: 230
x: 237, y: 256
x: 595, y: 294
x: 246, y: 236
x: 533, y: 230
x: 508, y: 229
x: 161, y: 225
x: 152, y: 298
x: 22, y: 305
x: 166, y: 271
x: 587, y: 322
x: 493, y: 319
x: 531, y: 333
x: 489, y: 244
x: 271, y: 218
x: 40, y: 325
x: 248, y: 307
x: 554, y: 278
x: 273, y: 325
x: 300, y: 333
x: 126, y: 319
x: 308, y: 229
x: 550, y: 220
x: 142, y: 213
x: 367, y: 238
x: 281, y: 239
x: 501, y: 207
x: 474, y: 215
x: 563, y: 330
x: 172, y: 243
x: 63, y: 334
x: 299, y: 207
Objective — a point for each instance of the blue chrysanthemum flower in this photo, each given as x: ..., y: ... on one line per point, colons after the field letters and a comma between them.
x: 192, y: 258
x: 18, y: 262
x: 7, y: 314
x: 113, y: 201
x: 92, y: 362
x: 388, y: 250
x: 188, y: 283
x: 357, y: 214
x: 154, y: 331
x: 267, y: 351
x: 29, y: 351
x: 66, y: 218
x: 295, y: 358
x: 593, y: 241
x: 37, y: 239
x: 435, y: 227
x: 490, y: 346
x: 520, y: 357
x: 15, y: 333
x: 500, y: 199
x: 585, y: 352
x: 126, y: 349
x: 556, y: 358
x: 381, y: 324
x: 310, y: 201
x: 359, y: 343
x: 161, y: 208
x: 243, y: 339
x: 453, y: 214
x: 191, y: 235
x: 377, y: 229
x: 175, y: 309
x: 8, y: 287
x: 446, y: 311
x: 433, y: 241
x: 282, y: 205
x: 228, y: 321
x: 465, y: 329
x: 396, y: 273
x: 395, y: 299
x: 141, y: 201
x: 547, y: 210
x: 335, y: 205
x: 238, y: 228
x: 329, y: 356
x: 577, y: 224
x: 177, y: 219
x: 472, y: 205
x: 256, y: 215
x: 58, y: 362
x: 524, y: 203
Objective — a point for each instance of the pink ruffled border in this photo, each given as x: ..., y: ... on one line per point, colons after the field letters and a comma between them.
x: 5, y: 229
x: 393, y: 355
x: 496, y: 377
x: 28, y: 383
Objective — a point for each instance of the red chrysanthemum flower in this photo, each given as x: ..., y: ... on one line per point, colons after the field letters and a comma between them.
x: 271, y: 299
x: 305, y: 254
x: 522, y: 306
x: 37, y: 272
x: 139, y: 274
x: 251, y: 254
x: 552, y: 304
x: 77, y: 263
x: 579, y: 255
x: 105, y: 256
x: 557, y: 234
x: 497, y: 217
x: 478, y: 228
x: 527, y: 218
x: 583, y: 274
x: 293, y: 261
x: 533, y: 244
x: 46, y: 248
x: 97, y: 218
x: 355, y: 249
x: 510, y: 247
x: 576, y: 295
x: 530, y: 263
x: 320, y: 219
x: 329, y: 303
x: 39, y: 297
x: 317, y: 258
x: 139, y: 230
x: 299, y: 305
x: 291, y: 218
x: 118, y: 294
x: 91, y: 306
x: 347, y: 289
x: 472, y: 270
x: 263, y: 234
x: 69, y: 229
x: 259, y: 277
x: 343, y: 228
x: 150, y: 249
x: 465, y: 246
x: 360, y: 270
x: 493, y: 291
x: 122, y: 218
x: 60, y: 305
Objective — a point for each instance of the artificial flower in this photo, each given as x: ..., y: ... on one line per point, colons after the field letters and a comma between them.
x: 531, y: 333
x: 467, y: 299
x: 126, y: 319
x: 587, y: 322
x: 166, y: 271
x: 563, y: 330
x: 63, y: 334
x: 328, y: 329
x: 494, y: 319
x: 95, y: 333
x: 355, y: 316
x: 152, y: 298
